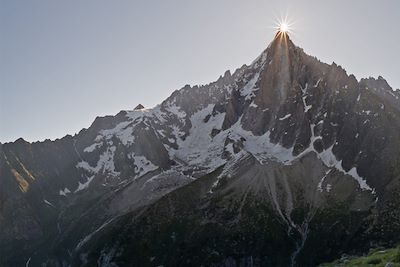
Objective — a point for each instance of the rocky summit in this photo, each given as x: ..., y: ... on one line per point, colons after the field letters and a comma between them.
x: 286, y: 162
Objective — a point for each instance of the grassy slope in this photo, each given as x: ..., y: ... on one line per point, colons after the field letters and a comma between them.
x: 374, y: 258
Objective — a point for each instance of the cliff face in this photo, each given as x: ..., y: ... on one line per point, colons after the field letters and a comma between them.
x: 288, y: 161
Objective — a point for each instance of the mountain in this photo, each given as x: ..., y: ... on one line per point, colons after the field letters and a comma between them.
x: 286, y: 162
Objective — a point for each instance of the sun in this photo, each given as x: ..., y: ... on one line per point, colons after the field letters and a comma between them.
x: 283, y: 25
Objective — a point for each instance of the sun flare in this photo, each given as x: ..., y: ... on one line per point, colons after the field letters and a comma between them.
x: 283, y: 25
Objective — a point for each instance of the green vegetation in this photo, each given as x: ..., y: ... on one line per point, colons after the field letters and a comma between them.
x: 381, y: 258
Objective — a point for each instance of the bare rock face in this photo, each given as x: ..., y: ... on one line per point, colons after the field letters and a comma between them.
x: 287, y: 161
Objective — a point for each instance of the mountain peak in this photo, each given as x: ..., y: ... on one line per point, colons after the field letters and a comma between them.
x: 277, y: 77
x: 282, y: 39
x: 140, y: 106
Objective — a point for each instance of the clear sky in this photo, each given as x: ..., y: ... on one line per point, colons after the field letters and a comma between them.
x: 62, y: 63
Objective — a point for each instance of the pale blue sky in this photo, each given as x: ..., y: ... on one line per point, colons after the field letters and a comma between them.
x: 62, y: 63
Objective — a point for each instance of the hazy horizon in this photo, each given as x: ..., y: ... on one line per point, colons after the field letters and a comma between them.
x: 62, y: 64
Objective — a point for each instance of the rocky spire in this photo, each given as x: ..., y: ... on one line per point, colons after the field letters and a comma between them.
x: 276, y: 79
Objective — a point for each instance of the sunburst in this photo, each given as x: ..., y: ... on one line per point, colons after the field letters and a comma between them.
x: 283, y: 25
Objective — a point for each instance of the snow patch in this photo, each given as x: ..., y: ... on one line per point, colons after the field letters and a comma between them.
x: 174, y: 109
x: 64, y: 192
x: 319, y: 187
x: 142, y: 165
x: 48, y: 203
x: 199, y: 148
x: 261, y: 146
x: 105, y: 164
x: 317, y: 83
x: 285, y: 117
x: 124, y: 130
x: 329, y: 159
x: 84, y: 185
x: 92, y: 147
x: 176, y: 132
x: 306, y: 107
x: 328, y: 188
x: 88, y: 237
x: 248, y: 90
x: 229, y: 148
x: 253, y: 105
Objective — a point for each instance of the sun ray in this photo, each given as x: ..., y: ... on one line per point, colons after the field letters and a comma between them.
x: 283, y: 25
